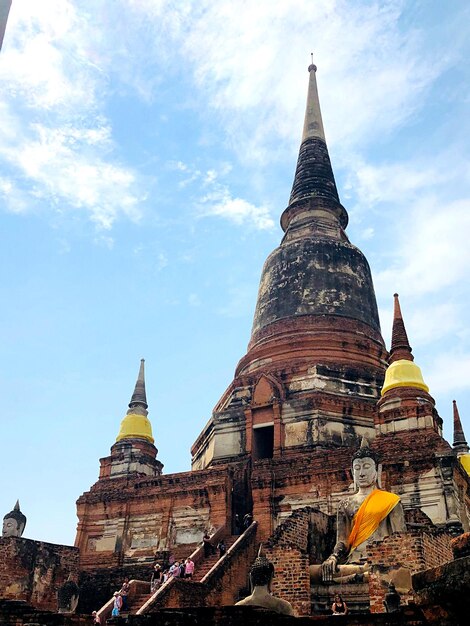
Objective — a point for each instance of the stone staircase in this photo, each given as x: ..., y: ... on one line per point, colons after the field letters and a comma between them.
x: 140, y: 591
x: 204, y: 567
x: 138, y: 600
x: 206, y: 587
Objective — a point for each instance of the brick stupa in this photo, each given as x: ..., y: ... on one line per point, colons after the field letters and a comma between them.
x: 280, y: 439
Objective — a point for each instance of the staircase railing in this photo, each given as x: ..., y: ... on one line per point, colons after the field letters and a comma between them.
x: 167, y: 587
x: 227, y: 555
x: 135, y: 588
x: 197, y: 556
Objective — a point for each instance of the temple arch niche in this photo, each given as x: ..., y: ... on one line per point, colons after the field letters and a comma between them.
x: 263, y: 419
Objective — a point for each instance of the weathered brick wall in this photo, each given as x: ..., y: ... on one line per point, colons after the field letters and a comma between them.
x: 97, y: 587
x: 401, y: 555
x: 14, y: 613
x: 288, y: 551
x: 231, y: 577
x: 33, y: 571
x: 320, y: 478
x: 397, y: 556
x: 437, y: 548
x: 124, y: 522
x: 461, y: 546
x: 294, y: 531
x: 291, y: 579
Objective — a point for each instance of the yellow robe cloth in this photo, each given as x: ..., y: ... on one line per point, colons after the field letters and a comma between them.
x: 372, y: 511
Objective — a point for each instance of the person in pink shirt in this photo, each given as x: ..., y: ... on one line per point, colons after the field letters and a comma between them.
x: 188, y: 568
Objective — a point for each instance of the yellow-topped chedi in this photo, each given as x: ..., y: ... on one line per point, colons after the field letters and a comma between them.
x: 135, y: 426
x: 403, y: 373
x: 465, y: 461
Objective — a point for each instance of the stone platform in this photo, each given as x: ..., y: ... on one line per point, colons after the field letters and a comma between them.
x: 356, y: 596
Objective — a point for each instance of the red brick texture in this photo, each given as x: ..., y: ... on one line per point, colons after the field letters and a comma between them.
x: 33, y: 571
x: 288, y: 551
x: 399, y: 556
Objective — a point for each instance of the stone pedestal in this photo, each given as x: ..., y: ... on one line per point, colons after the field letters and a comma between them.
x: 356, y: 596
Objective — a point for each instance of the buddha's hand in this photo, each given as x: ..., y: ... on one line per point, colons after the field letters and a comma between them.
x: 328, y: 568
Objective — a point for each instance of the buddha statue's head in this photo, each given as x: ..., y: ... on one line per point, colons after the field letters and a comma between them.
x: 14, y: 522
x: 365, y: 467
x: 262, y: 571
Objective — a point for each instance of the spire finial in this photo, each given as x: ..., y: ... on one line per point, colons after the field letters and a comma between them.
x: 313, y: 123
x: 400, y: 348
x: 460, y: 443
x: 312, y: 66
x: 139, y: 397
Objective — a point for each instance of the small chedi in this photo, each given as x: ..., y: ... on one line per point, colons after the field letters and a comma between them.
x: 370, y: 514
x: 14, y: 522
x: 261, y: 576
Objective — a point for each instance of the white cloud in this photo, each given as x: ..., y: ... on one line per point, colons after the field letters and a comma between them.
x: 249, y: 63
x: 402, y: 182
x: 432, y: 252
x: 367, y: 233
x: 426, y: 322
x: 60, y: 57
x: 217, y: 199
x: 449, y: 372
x: 259, y: 103
x: 105, y: 241
x: 55, y: 145
x: 220, y: 203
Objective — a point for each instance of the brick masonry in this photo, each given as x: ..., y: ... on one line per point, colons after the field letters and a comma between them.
x: 11, y: 614
x: 290, y: 549
x: 33, y: 571
x: 401, y: 555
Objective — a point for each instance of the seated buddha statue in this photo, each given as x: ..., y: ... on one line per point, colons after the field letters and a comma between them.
x: 370, y: 514
x: 68, y: 596
x: 261, y: 575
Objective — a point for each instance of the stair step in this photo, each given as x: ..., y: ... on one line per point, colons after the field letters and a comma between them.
x: 208, y: 563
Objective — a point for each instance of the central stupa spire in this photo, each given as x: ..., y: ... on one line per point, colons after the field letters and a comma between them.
x: 314, y: 195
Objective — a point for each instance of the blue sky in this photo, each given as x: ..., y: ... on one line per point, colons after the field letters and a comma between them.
x: 147, y: 151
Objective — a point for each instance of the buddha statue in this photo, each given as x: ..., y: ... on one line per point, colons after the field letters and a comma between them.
x: 14, y: 522
x: 261, y: 575
x: 370, y: 514
x: 68, y: 596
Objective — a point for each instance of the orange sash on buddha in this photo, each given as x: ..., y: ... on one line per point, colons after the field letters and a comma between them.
x: 372, y: 511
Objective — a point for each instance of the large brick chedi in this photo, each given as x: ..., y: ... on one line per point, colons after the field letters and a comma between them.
x: 316, y: 359
x: 316, y: 378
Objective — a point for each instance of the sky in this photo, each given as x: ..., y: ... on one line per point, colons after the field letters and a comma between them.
x: 147, y: 151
